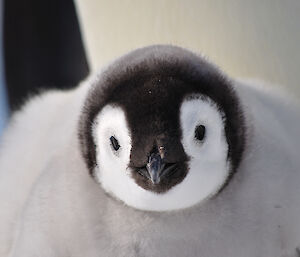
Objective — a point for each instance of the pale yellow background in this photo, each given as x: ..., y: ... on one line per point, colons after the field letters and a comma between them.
x: 250, y: 38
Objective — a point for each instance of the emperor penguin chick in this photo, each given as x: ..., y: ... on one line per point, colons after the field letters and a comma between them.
x: 158, y: 155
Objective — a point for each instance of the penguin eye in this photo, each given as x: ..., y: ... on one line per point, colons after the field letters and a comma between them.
x: 114, y: 143
x: 200, y: 132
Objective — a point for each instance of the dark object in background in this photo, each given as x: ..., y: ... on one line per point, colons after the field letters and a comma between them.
x: 42, y: 47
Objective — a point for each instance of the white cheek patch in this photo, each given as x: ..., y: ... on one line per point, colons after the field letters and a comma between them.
x: 209, y: 168
x: 112, y: 165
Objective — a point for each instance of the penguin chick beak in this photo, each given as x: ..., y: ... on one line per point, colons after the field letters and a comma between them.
x: 155, y: 167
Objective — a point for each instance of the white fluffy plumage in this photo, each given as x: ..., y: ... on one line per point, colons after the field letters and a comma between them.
x: 50, y: 205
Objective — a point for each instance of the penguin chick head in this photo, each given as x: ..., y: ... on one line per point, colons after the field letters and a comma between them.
x: 162, y: 129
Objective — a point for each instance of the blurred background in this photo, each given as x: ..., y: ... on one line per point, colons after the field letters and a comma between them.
x: 55, y: 44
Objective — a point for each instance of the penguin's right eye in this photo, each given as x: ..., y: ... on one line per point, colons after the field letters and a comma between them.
x: 114, y: 142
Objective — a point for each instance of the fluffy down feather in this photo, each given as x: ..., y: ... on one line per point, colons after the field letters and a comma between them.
x: 51, y: 206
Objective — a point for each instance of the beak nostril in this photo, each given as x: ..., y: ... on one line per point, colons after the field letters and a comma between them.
x: 161, y: 151
x: 157, y: 167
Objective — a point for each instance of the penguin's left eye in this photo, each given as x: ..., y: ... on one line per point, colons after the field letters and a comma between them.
x: 114, y: 143
x: 200, y: 132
